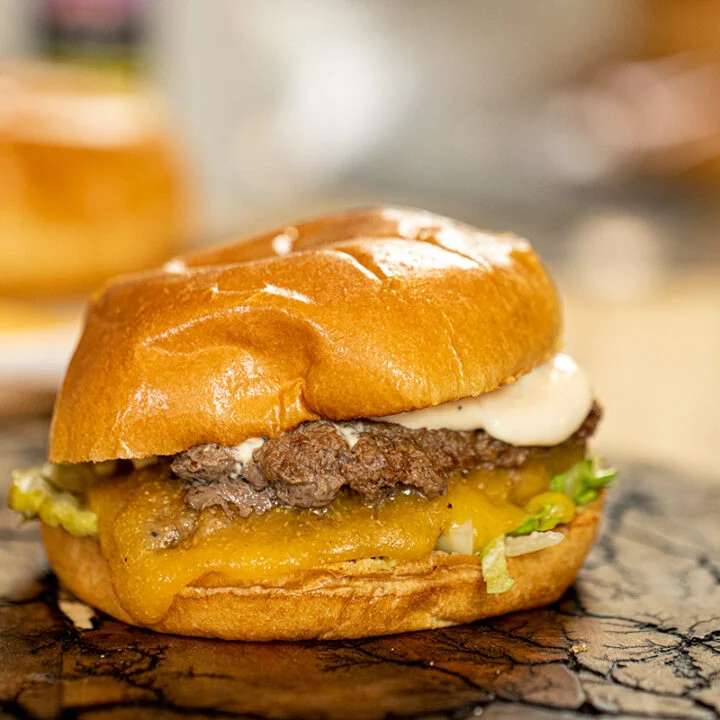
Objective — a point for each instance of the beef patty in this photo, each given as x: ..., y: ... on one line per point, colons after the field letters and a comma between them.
x: 308, y: 466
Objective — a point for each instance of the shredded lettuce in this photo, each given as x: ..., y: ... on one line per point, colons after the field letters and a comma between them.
x: 494, y: 567
x: 531, y: 543
x: 583, y: 481
x: 34, y: 494
x: 530, y: 525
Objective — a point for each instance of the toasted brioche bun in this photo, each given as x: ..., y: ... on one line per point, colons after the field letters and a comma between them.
x: 369, y: 313
x: 90, y: 181
x: 346, y: 600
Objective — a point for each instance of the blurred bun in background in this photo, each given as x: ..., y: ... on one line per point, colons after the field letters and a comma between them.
x: 91, y: 183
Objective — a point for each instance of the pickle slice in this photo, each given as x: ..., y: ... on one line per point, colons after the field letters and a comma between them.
x: 33, y: 494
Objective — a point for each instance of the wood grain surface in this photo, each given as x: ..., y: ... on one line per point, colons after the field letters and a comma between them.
x: 638, y: 636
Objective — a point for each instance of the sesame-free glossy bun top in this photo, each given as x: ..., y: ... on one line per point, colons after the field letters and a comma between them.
x: 361, y: 314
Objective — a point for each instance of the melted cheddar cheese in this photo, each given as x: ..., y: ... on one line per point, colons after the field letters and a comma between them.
x: 156, y: 546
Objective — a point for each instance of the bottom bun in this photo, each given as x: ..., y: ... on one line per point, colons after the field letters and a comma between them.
x: 346, y: 600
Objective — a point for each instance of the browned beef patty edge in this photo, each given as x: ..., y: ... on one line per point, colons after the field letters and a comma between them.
x: 308, y: 467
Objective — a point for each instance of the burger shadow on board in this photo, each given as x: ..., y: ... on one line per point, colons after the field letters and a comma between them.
x: 643, y: 605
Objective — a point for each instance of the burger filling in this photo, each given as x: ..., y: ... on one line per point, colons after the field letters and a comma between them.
x: 456, y: 478
x: 308, y: 467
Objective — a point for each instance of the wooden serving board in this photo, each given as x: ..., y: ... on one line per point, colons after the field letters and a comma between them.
x: 639, y: 636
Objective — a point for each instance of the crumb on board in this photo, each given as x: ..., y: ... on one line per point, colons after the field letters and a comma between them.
x: 79, y: 614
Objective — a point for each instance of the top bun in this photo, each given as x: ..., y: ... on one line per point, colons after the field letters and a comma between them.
x: 362, y: 314
x: 91, y: 184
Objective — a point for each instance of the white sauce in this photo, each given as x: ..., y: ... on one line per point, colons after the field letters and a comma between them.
x: 243, y: 452
x: 349, y: 431
x: 544, y: 407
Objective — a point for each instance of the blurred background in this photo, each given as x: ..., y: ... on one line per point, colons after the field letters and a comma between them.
x: 133, y: 129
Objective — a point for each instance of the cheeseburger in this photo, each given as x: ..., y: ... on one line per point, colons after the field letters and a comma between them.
x: 353, y: 426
